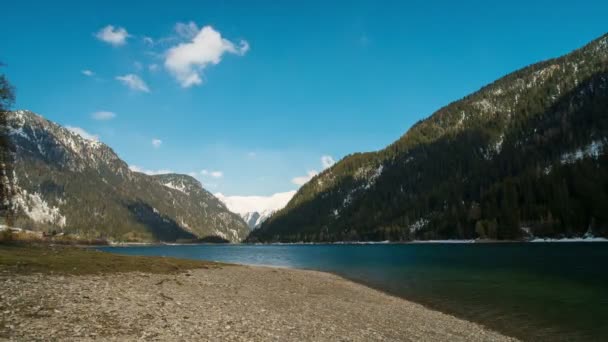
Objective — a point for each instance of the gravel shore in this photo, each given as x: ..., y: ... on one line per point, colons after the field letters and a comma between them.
x: 228, y: 303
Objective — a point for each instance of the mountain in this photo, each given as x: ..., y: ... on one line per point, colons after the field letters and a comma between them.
x: 256, y: 209
x: 523, y: 156
x: 255, y: 218
x: 251, y: 218
x: 64, y: 182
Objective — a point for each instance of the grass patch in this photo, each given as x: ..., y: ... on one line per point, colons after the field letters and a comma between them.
x: 51, y: 259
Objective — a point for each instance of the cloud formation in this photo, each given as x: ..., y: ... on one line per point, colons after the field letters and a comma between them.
x: 103, y: 115
x: 148, y: 41
x: 214, y: 174
x: 88, y: 72
x: 186, y: 61
x: 115, y: 36
x: 156, y: 142
x: 82, y: 133
x: 247, y: 204
x: 186, y: 30
x: 327, y: 161
x: 134, y: 82
x: 301, y: 180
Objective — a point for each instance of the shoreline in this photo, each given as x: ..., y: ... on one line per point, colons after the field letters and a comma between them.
x: 238, y: 302
x: 413, y: 242
x: 430, y: 301
x: 30, y: 236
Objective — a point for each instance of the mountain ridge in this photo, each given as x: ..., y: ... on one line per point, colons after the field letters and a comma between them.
x: 483, y: 127
x: 66, y: 182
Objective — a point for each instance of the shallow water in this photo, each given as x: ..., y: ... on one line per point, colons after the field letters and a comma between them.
x: 547, y: 291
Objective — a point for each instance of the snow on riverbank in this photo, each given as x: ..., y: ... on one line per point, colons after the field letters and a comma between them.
x: 579, y: 239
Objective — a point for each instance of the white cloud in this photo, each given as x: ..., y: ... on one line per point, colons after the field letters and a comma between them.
x: 186, y: 31
x: 134, y: 82
x: 153, y: 67
x: 186, y: 61
x: 148, y: 41
x: 82, y: 133
x: 138, y: 66
x: 156, y: 142
x: 301, y: 180
x: 88, y: 72
x: 209, y: 185
x: 327, y: 161
x: 136, y: 168
x: 113, y: 35
x: 247, y: 204
x: 214, y: 174
x: 103, y: 115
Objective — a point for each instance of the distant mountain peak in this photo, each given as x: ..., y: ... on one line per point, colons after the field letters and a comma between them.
x: 256, y: 209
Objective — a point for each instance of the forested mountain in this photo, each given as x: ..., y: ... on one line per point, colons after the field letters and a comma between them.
x: 522, y: 156
x: 64, y: 182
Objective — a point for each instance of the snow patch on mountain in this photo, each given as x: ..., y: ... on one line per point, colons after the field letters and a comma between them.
x: 255, y: 218
x: 179, y: 187
x: 230, y: 235
x: 36, y: 208
x: 368, y: 176
x: 593, y: 150
x: 498, y: 144
x: 251, y: 218
x: 372, y: 179
x: 418, y: 225
x: 256, y: 209
x: 70, y: 147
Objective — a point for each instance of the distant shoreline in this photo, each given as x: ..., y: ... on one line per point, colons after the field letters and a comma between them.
x: 535, y: 240
x: 37, y: 236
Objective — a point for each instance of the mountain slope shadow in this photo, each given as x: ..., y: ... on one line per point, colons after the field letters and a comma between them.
x: 160, y: 226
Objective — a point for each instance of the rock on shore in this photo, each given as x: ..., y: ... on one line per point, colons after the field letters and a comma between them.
x: 230, y: 303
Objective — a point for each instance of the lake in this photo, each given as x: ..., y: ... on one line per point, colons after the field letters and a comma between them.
x: 534, y: 291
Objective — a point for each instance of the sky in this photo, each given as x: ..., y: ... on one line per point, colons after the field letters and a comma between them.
x: 254, y: 97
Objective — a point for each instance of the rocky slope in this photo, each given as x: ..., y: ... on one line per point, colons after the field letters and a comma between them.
x: 66, y: 183
x: 522, y: 156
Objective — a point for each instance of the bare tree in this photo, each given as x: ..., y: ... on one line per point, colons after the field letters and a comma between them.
x: 7, y: 98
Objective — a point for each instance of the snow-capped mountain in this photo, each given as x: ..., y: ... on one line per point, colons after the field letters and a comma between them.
x: 65, y: 182
x: 256, y: 209
x: 254, y: 218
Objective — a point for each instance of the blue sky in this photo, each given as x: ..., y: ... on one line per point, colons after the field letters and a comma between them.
x: 287, y: 82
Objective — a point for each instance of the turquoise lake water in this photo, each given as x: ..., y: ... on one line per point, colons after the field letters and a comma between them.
x: 534, y: 291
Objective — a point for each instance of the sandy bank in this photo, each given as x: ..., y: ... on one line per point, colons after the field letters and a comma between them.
x: 231, y: 303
